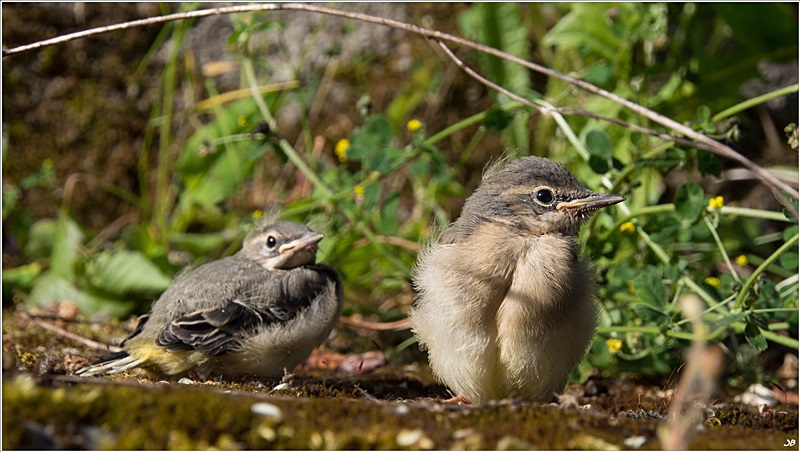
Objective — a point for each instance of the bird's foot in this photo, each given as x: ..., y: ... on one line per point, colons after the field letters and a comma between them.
x: 458, y: 399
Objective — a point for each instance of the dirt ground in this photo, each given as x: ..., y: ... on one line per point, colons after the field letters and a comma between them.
x: 324, y: 404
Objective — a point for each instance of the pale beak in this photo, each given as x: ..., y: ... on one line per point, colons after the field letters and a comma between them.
x: 593, y: 202
x: 301, y: 243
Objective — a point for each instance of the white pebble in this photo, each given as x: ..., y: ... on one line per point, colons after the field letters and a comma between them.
x: 267, y: 409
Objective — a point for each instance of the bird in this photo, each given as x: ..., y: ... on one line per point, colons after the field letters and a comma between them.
x: 505, y: 302
x: 259, y: 312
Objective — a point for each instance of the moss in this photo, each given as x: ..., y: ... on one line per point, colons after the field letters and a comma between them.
x: 387, y: 409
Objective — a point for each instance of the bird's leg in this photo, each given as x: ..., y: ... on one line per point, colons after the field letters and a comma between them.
x: 458, y: 399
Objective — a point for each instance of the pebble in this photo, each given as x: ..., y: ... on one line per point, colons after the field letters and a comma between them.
x: 267, y: 409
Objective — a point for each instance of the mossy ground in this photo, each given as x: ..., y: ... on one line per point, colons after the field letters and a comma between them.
x: 390, y: 408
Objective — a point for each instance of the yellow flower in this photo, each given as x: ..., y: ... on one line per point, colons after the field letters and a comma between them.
x: 258, y: 214
x: 341, y: 149
x: 614, y: 345
x: 713, y: 282
x: 359, y: 190
x: 742, y: 260
x: 627, y: 226
x: 716, y: 203
x: 414, y: 125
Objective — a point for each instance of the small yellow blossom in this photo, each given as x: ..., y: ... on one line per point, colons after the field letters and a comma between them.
x: 713, y: 282
x: 359, y: 190
x: 341, y: 149
x: 414, y: 125
x: 742, y: 260
x: 258, y: 214
x: 242, y: 121
x: 716, y: 203
x: 627, y: 226
x: 614, y: 345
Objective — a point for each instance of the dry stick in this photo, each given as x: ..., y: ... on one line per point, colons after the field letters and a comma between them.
x: 64, y: 333
x: 546, y: 109
x: 397, y: 325
x: 713, y: 146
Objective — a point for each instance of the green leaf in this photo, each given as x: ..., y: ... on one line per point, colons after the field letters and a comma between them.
x: 389, y: 223
x: 598, y: 164
x: 41, y: 238
x: 420, y: 167
x: 648, y: 287
x: 789, y: 232
x: 372, y: 194
x: 599, y: 143
x: 789, y: 260
x: 52, y: 288
x: 374, y: 136
x: 707, y: 164
x: 124, y: 272
x: 703, y: 113
x: 19, y: 278
x: 497, y: 119
x: 689, y: 201
x: 68, y: 237
x: 754, y: 337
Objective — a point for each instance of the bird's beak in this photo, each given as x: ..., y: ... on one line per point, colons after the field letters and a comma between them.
x: 590, y: 203
x: 301, y: 243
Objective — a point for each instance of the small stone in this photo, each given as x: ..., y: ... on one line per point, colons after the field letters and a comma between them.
x: 407, y: 438
x: 267, y: 409
x: 401, y: 409
x: 635, y: 442
x: 186, y: 381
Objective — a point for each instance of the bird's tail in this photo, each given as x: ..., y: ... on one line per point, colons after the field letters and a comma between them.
x: 110, y: 364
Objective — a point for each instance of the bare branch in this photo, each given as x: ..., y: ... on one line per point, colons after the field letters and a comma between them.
x: 544, y: 109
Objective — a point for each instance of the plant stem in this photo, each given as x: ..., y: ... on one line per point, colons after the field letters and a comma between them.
x: 749, y: 103
x: 722, y: 251
x: 247, y: 66
x: 761, y: 268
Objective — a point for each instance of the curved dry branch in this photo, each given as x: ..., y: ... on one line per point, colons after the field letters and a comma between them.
x: 708, y: 144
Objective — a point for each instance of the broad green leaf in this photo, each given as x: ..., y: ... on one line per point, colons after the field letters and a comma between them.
x: 599, y: 143
x: 124, y: 272
x: 754, y: 337
x: 19, y: 278
x: 689, y: 201
x: 788, y: 260
x: 789, y: 232
x: 648, y: 287
x: 707, y: 164
x: 52, y: 288
x: 41, y: 238
x: 374, y: 136
x: 372, y: 194
x: 68, y: 237
x: 497, y: 119
x: 389, y: 222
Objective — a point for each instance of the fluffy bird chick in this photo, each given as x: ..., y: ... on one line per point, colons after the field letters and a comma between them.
x: 505, y: 303
x: 258, y: 312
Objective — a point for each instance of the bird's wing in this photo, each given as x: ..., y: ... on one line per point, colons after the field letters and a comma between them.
x: 240, y: 305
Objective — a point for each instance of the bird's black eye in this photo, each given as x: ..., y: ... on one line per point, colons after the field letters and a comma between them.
x: 543, y: 196
x: 271, y: 242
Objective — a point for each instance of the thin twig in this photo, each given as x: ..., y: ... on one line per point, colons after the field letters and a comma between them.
x: 64, y: 333
x: 397, y: 325
x: 546, y: 109
x: 713, y: 146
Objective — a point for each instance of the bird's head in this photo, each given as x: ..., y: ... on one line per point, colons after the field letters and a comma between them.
x: 282, y: 245
x: 536, y: 196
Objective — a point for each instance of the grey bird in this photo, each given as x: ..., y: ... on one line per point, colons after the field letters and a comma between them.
x: 505, y: 303
x: 258, y: 312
